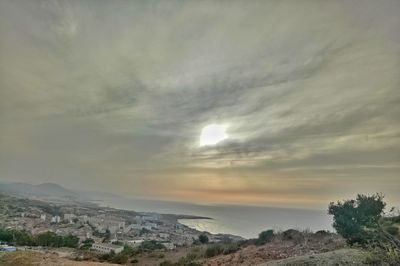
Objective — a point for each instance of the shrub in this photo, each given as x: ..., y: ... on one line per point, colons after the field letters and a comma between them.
x: 203, y: 239
x: 264, y: 237
x: 322, y: 233
x: 144, y: 231
x: 213, y: 250
x: 119, y: 259
x: 384, y: 255
x: 293, y: 235
x: 391, y: 229
x: 151, y: 245
x: 231, y: 248
x: 167, y: 263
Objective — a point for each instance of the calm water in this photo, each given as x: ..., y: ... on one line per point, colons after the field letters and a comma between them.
x: 244, y: 221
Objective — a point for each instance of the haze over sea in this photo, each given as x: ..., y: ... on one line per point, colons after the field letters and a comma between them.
x: 245, y: 221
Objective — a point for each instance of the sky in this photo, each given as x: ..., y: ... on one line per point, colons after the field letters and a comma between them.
x: 113, y: 96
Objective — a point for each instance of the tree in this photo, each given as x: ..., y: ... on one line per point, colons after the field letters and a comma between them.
x: 353, y: 218
x: 203, y: 239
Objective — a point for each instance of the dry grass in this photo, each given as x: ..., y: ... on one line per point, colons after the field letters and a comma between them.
x: 31, y: 258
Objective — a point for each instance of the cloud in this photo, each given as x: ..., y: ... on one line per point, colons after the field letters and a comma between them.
x: 115, y: 94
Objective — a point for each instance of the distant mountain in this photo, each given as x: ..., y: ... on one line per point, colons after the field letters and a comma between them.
x: 42, y: 190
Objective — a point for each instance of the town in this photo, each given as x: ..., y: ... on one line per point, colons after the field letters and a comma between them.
x: 108, y: 229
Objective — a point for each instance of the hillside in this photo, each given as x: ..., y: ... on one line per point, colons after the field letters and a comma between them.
x: 290, y: 243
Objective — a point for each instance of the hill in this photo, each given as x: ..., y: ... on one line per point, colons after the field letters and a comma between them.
x: 45, y: 190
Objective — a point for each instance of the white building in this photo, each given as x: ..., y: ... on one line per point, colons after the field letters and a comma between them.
x: 43, y: 217
x: 134, y: 243
x: 131, y: 227
x: 164, y: 235
x: 84, y: 218
x: 107, y: 248
x: 104, y: 223
x: 168, y: 245
x: 69, y: 217
x: 150, y: 225
x: 55, y: 219
x: 151, y: 217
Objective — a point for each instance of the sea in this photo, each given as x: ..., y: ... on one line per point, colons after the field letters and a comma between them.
x: 244, y: 221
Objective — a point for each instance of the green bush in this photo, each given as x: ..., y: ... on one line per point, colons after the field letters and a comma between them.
x: 265, y: 237
x: 352, y: 217
x: 203, y: 239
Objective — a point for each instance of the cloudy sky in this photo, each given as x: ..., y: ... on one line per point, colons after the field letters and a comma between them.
x: 113, y: 96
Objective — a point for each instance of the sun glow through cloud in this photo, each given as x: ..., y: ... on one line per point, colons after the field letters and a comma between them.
x: 212, y: 134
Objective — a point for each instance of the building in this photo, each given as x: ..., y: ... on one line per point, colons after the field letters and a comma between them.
x: 107, y: 248
x: 102, y: 224
x: 131, y: 227
x: 7, y: 248
x: 55, y: 219
x: 151, y: 217
x: 69, y: 217
x: 134, y: 243
x: 168, y: 245
x: 150, y: 225
x: 43, y: 217
x: 163, y: 235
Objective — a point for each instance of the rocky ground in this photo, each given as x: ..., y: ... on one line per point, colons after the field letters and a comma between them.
x: 331, y: 258
x: 283, y: 246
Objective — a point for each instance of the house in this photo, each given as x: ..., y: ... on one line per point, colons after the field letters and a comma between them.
x: 43, y: 217
x: 134, y: 243
x: 107, y: 248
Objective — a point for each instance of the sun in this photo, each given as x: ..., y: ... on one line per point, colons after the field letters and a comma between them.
x: 213, y: 134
